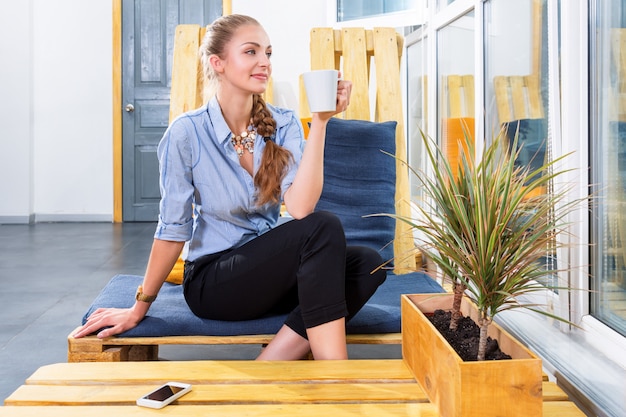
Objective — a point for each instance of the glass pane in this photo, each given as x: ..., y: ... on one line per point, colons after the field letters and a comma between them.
x: 516, y: 88
x: 417, y: 106
x: 441, y: 4
x: 608, y: 147
x: 359, y: 9
x: 455, y: 76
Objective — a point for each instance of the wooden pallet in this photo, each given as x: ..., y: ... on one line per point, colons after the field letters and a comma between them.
x: 119, y: 349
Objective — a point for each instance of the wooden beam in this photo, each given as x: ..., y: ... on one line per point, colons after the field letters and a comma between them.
x: 117, y: 111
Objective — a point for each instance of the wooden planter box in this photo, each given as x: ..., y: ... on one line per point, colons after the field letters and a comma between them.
x: 468, y: 389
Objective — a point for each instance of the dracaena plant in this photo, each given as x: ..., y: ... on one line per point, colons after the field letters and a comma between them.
x: 488, y: 225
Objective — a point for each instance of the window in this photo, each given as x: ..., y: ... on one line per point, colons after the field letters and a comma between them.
x: 359, y: 9
x: 372, y: 13
x: 608, y: 164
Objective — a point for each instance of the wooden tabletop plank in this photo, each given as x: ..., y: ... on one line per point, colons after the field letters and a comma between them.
x: 221, y: 394
x: 227, y: 393
x: 561, y: 409
x: 550, y: 409
x: 215, y: 372
x: 552, y: 392
x: 269, y: 410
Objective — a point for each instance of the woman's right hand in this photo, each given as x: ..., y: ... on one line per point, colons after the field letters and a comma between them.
x: 112, y: 320
x: 344, y: 90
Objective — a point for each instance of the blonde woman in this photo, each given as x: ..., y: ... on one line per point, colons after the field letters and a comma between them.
x: 224, y: 170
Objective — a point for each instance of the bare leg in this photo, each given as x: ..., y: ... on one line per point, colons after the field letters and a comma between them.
x: 328, y: 340
x: 286, y: 345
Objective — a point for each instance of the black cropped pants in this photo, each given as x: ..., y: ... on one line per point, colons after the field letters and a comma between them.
x: 303, y: 267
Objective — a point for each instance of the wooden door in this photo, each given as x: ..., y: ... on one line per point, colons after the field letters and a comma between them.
x: 147, y: 45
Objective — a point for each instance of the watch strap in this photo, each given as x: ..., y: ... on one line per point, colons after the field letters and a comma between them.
x: 140, y: 296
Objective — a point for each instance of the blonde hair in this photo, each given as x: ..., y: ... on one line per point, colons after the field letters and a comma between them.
x: 275, y: 160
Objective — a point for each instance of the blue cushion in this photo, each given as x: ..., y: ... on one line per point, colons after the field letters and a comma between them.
x: 169, y: 315
x: 359, y: 179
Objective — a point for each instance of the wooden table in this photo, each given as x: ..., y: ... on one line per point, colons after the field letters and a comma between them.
x: 236, y: 388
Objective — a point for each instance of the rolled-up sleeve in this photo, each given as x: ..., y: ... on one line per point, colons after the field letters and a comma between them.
x: 176, y: 184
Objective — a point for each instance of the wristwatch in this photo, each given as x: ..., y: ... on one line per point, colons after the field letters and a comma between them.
x: 143, y: 297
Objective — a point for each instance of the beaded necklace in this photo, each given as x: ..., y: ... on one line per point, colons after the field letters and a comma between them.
x: 244, y: 141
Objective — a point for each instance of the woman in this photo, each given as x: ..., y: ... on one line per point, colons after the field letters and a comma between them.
x: 224, y: 170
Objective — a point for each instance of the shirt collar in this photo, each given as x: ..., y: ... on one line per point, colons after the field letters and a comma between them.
x: 222, y: 131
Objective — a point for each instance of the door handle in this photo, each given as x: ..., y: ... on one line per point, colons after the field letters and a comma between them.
x: 129, y: 108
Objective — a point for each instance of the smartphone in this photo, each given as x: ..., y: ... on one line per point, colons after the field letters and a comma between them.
x: 164, y: 395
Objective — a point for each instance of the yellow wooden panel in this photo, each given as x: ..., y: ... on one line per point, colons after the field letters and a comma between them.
x: 455, y: 97
x: 117, y: 111
x: 517, y: 98
x: 389, y: 107
x: 197, y: 372
x: 323, y: 56
x: 322, y: 49
x: 268, y: 95
x: 186, y: 91
x: 561, y: 409
x: 227, y: 410
x: 535, y: 104
x: 355, y: 69
x: 550, y: 409
x: 617, y: 101
x: 334, y: 392
x: 468, y: 94
x: 501, y: 86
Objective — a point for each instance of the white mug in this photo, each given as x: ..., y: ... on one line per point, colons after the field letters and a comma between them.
x: 321, y: 89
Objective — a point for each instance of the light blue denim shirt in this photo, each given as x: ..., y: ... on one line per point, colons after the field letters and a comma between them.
x: 207, y: 197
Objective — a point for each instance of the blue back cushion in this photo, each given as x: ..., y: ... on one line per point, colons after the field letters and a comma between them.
x: 532, y: 140
x: 359, y: 179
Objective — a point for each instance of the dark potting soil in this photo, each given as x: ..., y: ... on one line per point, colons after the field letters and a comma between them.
x: 464, y: 340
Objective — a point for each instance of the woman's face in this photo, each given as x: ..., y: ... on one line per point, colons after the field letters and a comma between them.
x: 246, y: 63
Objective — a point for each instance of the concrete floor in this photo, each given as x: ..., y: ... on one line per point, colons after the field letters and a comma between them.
x: 50, y: 273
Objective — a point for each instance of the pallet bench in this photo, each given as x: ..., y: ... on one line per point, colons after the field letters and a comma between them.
x: 234, y: 388
x: 170, y: 321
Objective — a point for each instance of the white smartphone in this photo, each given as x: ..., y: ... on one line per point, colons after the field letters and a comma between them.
x: 164, y: 395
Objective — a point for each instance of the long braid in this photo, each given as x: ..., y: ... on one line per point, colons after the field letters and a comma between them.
x: 275, y: 160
